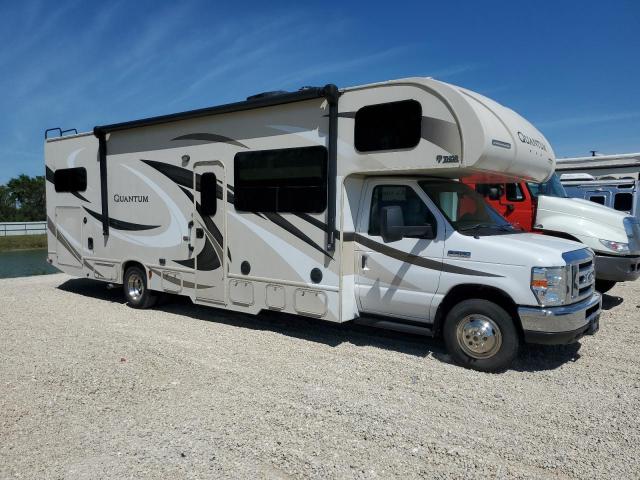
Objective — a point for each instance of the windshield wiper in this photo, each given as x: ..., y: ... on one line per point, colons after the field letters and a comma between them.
x: 476, y: 226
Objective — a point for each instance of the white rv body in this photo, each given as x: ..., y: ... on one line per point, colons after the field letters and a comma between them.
x: 143, y: 206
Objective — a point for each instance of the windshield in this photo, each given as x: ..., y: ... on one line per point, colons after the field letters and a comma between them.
x: 550, y: 188
x: 465, y: 209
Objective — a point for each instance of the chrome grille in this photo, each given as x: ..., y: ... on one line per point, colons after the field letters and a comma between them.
x: 582, y: 275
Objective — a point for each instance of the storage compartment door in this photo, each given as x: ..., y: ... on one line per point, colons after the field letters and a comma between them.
x: 69, y: 236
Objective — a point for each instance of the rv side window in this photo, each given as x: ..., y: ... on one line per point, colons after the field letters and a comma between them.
x: 388, y: 126
x: 414, y: 210
x: 290, y: 180
x: 598, y: 199
x: 623, y: 202
x: 70, y: 180
x: 208, y: 186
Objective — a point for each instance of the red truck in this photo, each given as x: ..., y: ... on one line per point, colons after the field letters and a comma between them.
x: 546, y: 208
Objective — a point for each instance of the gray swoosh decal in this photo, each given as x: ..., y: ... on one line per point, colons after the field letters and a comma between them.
x: 441, y: 133
x: 121, y: 224
x: 413, y: 259
x: 185, y: 283
x: 210, y: 137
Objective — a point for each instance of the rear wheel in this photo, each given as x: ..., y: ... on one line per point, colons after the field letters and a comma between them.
x: 135, y: 288
x: 603, y: 286
x: 481, y: 335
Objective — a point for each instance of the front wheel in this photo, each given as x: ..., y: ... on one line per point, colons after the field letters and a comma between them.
x: 481, y: 335
x: 135, y: 288
x: 603, y: 286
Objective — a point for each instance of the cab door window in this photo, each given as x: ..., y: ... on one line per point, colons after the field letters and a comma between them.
x: 414, y: 210
x: 514, y: 193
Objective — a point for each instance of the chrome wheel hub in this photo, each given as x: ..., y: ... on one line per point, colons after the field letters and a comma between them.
x: 135, y: 287
x: 479, y: 336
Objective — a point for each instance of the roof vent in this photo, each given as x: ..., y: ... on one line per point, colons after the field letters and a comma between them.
x: 273, y: 93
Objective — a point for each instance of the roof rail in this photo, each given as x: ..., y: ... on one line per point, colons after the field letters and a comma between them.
x: 60, y: 132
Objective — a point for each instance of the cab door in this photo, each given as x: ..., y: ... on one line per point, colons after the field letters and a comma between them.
x: 511, y: 200
x: 207, y: 233
x: 518, y: 205
x: 400, y: 278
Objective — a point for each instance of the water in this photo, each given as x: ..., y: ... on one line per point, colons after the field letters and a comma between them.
x: 23, y: 263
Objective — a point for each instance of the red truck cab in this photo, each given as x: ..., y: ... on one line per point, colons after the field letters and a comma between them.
x: 514, y: 201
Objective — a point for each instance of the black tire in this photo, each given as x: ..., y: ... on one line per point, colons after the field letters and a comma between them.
x: 135, y: 289
x: 603, y: 286
x: 492, y: 353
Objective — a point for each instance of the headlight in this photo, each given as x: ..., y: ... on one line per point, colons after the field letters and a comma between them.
x: 617, y: 247
x: 549, y: 285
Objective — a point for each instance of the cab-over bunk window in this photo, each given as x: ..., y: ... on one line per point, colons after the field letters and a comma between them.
x: 388, y: 126
x: 290, y: 180
x: 70, y: 180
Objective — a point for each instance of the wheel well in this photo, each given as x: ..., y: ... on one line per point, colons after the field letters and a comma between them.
x: 468, y: 291
x: 131, y: 263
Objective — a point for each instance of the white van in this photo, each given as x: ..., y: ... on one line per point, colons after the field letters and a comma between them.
x: 339, y: 204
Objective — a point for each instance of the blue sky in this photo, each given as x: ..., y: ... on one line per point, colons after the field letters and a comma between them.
x: 570, y: 67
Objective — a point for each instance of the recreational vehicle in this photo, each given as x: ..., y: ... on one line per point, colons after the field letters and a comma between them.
x: 602, y: 167
x: 619, y: 194
x: 338, y: 204
x: 614, y: 236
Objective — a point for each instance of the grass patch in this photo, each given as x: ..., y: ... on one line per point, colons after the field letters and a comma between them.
x: 22, y: 242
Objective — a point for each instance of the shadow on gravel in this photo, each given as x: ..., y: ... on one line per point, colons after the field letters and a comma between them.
x: 609, y: 301
x: 532, y: 357
x: 332, y: 334
x: 93, y: 289
x: 536, y: 358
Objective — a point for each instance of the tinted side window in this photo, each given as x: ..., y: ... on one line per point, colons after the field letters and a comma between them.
x: 623, y: 202
x: 70, y: 180
x: 514, y: 192
x: 286, y: 180
x: 208, y: 187
x: 484, y: 189
x: 598, y: 199
x: 414, y: 210
x: 388, y: 126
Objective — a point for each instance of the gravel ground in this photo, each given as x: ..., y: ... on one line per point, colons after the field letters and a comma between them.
x: 90, y: 388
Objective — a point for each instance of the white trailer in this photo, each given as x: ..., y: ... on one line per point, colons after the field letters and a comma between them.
x: 339, y: 204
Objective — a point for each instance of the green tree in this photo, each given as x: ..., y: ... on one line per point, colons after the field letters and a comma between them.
x: 7, y: 205
x: 28, y: 198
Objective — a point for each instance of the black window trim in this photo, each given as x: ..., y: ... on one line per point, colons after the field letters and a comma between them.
x: 323, y: 185
x: 408, y: 148
x: 63, y: 171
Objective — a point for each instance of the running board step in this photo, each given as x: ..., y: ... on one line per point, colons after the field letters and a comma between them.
x: 405, y: 326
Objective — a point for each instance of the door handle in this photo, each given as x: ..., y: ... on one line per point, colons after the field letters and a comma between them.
x: 199, y: 233
x: 363, y: 261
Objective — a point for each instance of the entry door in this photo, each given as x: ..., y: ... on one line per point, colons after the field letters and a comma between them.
x: 400, y: 278
x: 207, y: 233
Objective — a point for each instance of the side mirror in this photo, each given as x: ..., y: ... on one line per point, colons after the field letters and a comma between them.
x: 494, y: 193
x: 392, y: 227
x: 510, y: 208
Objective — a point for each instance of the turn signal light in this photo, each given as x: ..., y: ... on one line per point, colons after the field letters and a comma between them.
x: 540, y: 283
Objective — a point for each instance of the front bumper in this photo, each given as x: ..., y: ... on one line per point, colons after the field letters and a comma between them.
x: 617, y: 268
x: 561, y: 325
